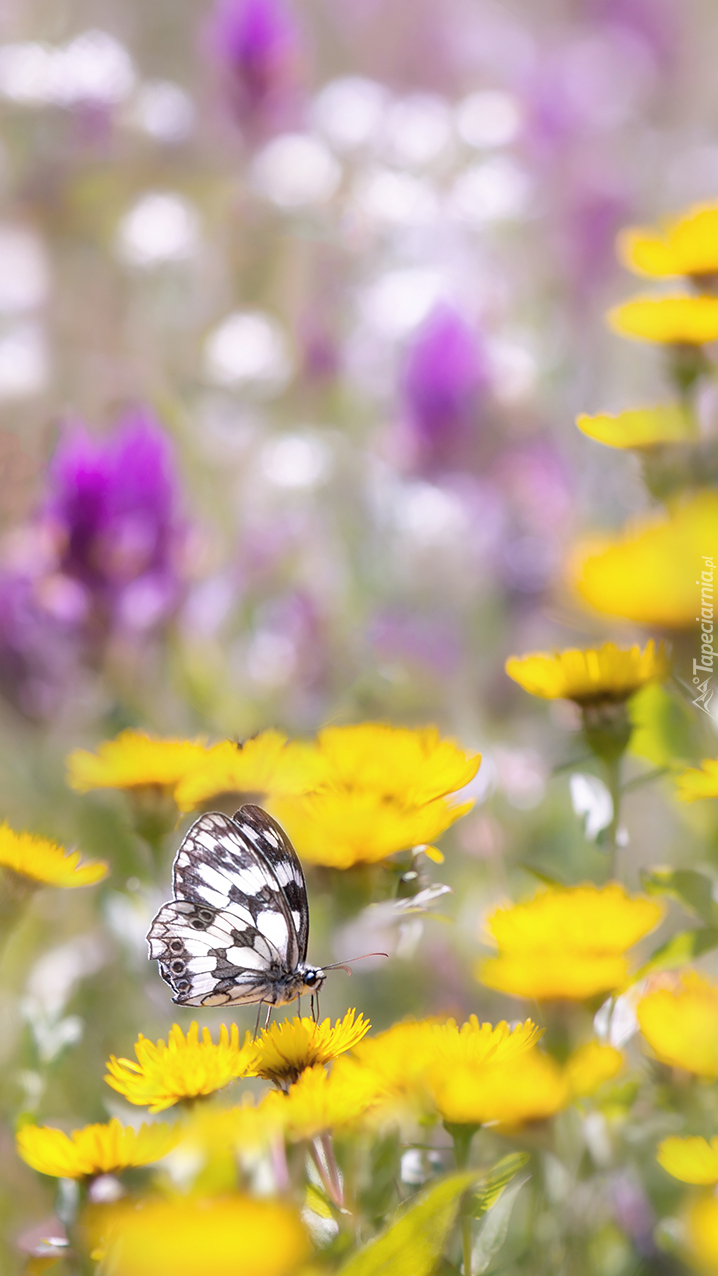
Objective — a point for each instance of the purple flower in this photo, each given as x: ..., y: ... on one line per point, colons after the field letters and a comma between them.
x: 258, y: 45
x: 38, y: 648
x: 443, y: 383
x: 111, y: 510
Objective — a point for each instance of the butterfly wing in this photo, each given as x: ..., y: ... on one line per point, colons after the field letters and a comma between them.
x: 229, y: 931
x: 272, y: 843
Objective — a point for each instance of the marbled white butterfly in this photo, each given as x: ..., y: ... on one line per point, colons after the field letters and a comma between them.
x: 236, y: 932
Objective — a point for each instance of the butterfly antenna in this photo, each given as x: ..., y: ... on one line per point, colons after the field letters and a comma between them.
x: 344, y: 965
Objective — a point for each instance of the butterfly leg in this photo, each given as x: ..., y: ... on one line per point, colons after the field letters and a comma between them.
x: 256, y: 1026
x: 269, y: 1016
x: 299, y: 1007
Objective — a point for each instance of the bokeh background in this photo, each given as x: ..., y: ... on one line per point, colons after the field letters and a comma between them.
x: 325, y: 309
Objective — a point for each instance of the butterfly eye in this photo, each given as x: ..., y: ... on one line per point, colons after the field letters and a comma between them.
x: 177, y: 967
x: 310, y: 978
x: 176, y: 945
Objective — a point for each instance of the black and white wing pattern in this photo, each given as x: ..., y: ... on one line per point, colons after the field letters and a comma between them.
x: 236, y: 931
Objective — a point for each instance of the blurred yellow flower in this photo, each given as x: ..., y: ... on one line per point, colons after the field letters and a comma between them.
x: 321, y: 1101
x: 398, y: 1057
x: 684, y: 245
x: 97, y: 1149
x: 648, y: 572
x: 183, y: 1236
x: 609, y: 673
x: 699, y: 782
x: 702, y: 1233
x: 567, y: 942
x: 529, y: 1087
x: 681, y: 1025
x: 412, y: 766
x: 283, y: 1051
x: 589, y: 1066
x: 266, y: 763
x: 184, y: 1068
x: 249, y: 1126
x: 44, y: 861
x: 692, y: 1160
x: 340, y: 828
x: 677, y: 320
x: 643, y: 427
x: 134, y: 760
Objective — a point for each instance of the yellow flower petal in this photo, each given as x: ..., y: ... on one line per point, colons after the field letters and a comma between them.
x: 589, y: 1066
x: 96, y: 1149
x: 684, y: 245
x: 530, y: 1087
x: 610, y: 672
x: 183, y: 1069
x: 692, y: 1160
x: 44, y: 861
x: 341, y: 828
x: 644, y: 427
x: 679, y: 320
x: 184, y: 1236
x: 320, y: 1101
x: 648, y: 573
x: 267, y: 763
x: 681, y: 1025
x: 134, y: 760
x: 413, y: 766
x: 567, y: 942
x: 702, y: 1233
x: 699, y: 782
x: 283, y: 1051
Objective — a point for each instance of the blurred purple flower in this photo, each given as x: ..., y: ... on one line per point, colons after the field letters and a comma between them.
x: 257, y: 43
x: 112, y: 512
x: 443, y: 383
x: 100, y: 560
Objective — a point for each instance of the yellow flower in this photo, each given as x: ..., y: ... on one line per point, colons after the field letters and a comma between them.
x: 134, y: 760
x: 286, y: 1049
x: 681, y: 1025
x: 685, y: 245
x: 183, y: 1069
x: 567, y: 942
x: 589, y: 1066
x: 691, y: 1160
x: 699, y: 782
x: 182, y: 1236
x: 41, y: 860
x: 215, y: 1130
x: 677, y: 320
x: 648, y: 573
x: 641, y: 428
x: 321, y: 1101
x: 397, y: 1058
x: 267, y: 763
x: 610, y: 673
x: 341, y: 828
x: 98, y: 1149
x: 530, y: 1087
x: 702, y: 1233
x: 412, y: 766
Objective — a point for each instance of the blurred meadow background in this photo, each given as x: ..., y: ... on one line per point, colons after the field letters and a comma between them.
x: 297, y: 314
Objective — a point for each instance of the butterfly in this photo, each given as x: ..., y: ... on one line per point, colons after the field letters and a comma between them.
x: 236, y: 932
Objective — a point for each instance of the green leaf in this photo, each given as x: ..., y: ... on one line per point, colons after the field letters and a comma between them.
x: 680, y: 949
x: 494, y: 1229
x: 412, y: 1245
x: 692, y: 889
x: 662, y: 726
x: 498, y: 1178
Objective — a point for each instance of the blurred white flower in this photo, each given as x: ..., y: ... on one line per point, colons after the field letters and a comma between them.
x: 92, y: 68
x: 419, y: 129
x: 496, y: 190
x: 295, y: 461
x: 514, y: 370
x: 591, y: 802
x: 428, y: 514
x: 488, y: 118
x: 163, y: 110
x: 386, y: 197
x: 24, y: 361
x: 160, y: 227
x: 400, y: 299
x: 27, y: 73
x: 350, y: 111
x: 248, y: 348
x: 296, y: 171
x: 24, y: 269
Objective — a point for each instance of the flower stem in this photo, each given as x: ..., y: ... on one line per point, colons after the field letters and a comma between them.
x: 322, y: 1154
x: 462, y: 1136
x: 613, y: 778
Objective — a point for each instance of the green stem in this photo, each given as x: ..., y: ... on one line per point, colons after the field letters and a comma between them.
x: 462, y: 1137
x: 613, y: 777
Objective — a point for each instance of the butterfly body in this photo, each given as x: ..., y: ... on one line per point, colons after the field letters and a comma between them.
x: 236, y: 932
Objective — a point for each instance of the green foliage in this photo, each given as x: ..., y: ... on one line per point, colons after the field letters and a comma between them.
x: 663, y: 727
x: 496, y: 1181
x: 680, y: 949
x: 692, y: 889
x: 412, y: 1245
